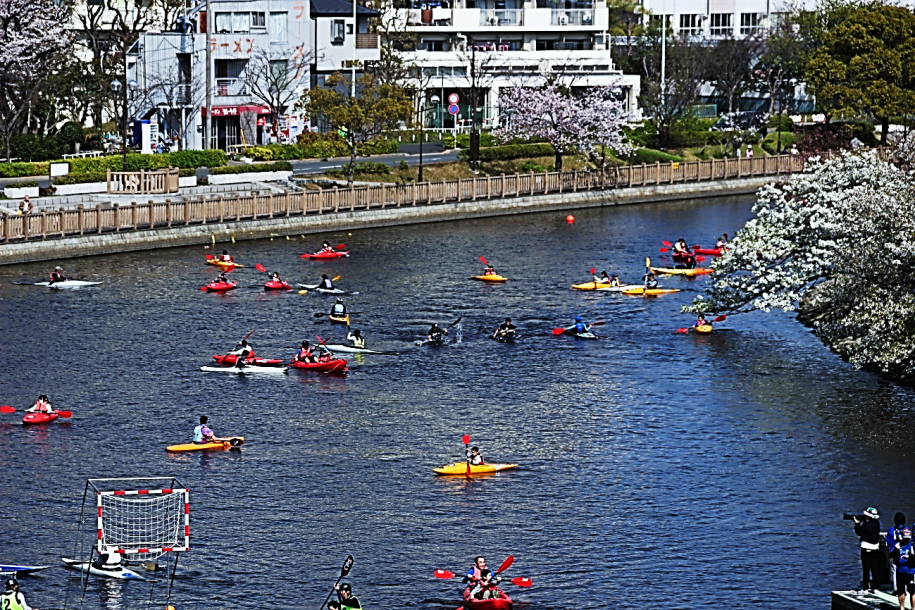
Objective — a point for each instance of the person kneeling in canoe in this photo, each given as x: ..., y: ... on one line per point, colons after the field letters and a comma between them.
x: 305, y: 354
x: 42, y: 405
x: 348, y: 601
x: 57, y: 275
x: 435, y: 334
x: 326, y: 282
x: 475, y: 457
x: 338, y: 309
x: 202, y: 433
x: 650, y: 281
x: 225, y: 258
x: 355, y: 337
x: 505, y: 331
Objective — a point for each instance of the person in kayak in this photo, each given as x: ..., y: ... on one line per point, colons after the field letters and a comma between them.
x: 486, y: 587
x: 107, y: 560
x: 326, y: 247
x: 701, y: 322
x: 615, y: 281
x: 348, y: 601
x: 225, y: 258
x: 474, y: 573
x: 475, y: 457
x: 489, y: 270
x: 580, y: 327
x: 12, y: 598
x: 326, y: 282
x: 202, y: 433
x: 275, y: 277
x: 58, y: 275
x: 305, y: 353
x: 221, y: 279
x: 603, y: 279
x: 338, y: 309
x: 355, y: 337
x: 505, y: 331
x: 42, y: 405
x: 650, y: 281
x: 435, y: 334
x: 242, y: 350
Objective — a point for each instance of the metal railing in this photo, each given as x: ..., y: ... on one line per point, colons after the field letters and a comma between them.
x: 231, y: 86
x: 507, y: 17
x: 576, y: 16
x: 148, y: 216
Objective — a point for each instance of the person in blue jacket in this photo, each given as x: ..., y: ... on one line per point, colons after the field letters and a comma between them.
x: 905, y: 571
x: 580, y: 327
x: 893, y: 537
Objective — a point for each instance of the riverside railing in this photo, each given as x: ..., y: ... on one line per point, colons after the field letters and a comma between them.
x: 116, y: 218
x: 144, y: 181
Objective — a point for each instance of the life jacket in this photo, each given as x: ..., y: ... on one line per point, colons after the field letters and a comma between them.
x: 12, y: 600
x: 226, y: 258
x: 43, y: 407
x: 357, y: 341
x: 581, y: 327
x: 339, y: 309
x: 56, y: 276
x: 328, y: 284
x: 199, y: 432
x: 614, y: 282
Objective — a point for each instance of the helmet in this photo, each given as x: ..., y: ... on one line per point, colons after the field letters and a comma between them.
x: 578, y: 318
x: 346, y: 587
x: 58, y: 268
x: 305, y: 344
x: 244, y: 342
x: 339, y: 300
x: 11, y: 583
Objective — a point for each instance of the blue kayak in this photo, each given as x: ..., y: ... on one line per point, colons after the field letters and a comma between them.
x: 7, y: 570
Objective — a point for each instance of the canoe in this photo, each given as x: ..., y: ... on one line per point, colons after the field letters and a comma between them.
x: 712, y: 251
x: 230, y: 359
x: 584, y: 335
x: 648, y: 292
x: 349, y: 349
x: 222, y: 264
x: 39, y: 418
x: 271, y: 285
x: 247, y: 370
x: 233, y: 441
x: 121, y: 573
x: 67, y: 284
x: 622, y: 288
x: 460, y: 468
x: 498, y: 279
x: 317, y: 288
x: 330, y: 366
x: 516, y: 336
x: 687, y: 272
x: 591, y: 286
x: 319, y: 256
x: 500, y: 603
x: 220, y: 286
x: 338, y: 319
x: 705, y: 328
x: 682, y: 258
x: 11, y: 570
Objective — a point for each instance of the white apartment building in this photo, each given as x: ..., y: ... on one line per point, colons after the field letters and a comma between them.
x: 720, y: 18
x: 511, y: 43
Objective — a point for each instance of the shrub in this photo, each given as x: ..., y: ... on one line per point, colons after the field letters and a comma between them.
x: 532, y: 166
x: 770, y: 144
x: 22, y: 185
x: 277, y: 166
x: 191, y: 159
x: 463, y: 140
x: 72, y: 132
x: 30, y: 147
x: 780, y: 122
x: 649, y: 155
x: 82, y: 178
x: 379, y: 146
x: 20, y: 170
x: 321, y: 145
x: 370, y: 167
x: 512, y: 151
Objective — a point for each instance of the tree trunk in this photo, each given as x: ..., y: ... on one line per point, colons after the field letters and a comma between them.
x: 885, y: 130
x: 352, y: 166
x: 558, y: 161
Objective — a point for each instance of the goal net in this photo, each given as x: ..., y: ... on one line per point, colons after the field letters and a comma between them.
x: 142, y: 519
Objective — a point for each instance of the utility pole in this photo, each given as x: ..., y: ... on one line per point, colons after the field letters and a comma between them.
x: 208, y: 118
x: 663, y: 47
x: 474, y: 134
x: 352, y: 92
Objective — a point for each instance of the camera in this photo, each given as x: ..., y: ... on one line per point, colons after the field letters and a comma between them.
x: 850, y: 517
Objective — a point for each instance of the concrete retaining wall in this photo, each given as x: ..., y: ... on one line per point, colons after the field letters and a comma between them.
x: 249, y: 177
x: 109, y: 243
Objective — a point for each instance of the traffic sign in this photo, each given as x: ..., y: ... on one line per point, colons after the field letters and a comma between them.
x: 453, y: 109
x: 453, y: 98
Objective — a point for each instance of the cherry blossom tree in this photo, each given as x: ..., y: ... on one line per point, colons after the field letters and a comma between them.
x: 32, y: 39
x: 571, y: 121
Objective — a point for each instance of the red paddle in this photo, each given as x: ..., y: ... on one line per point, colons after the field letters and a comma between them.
x: 559, y: 331
x: 505, y: 565
x: 663, y: 250
x: 9, y: 409
x: 483, y: 260
x: 443, y: 574
x: 466, y: 440
x: 340, y: 247
x: 210, y: 257
x: 593, y: 270
x: 521, y: 581
x: 667, y: 243
x: 260, y: 268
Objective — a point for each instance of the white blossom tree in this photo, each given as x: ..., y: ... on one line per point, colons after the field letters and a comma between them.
x: 32, y: 39
x: 570, y: 121
x: 835, y: 243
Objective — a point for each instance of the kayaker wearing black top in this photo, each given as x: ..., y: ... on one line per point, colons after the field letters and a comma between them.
x: 242, y: 349
x: 338, y: 310
x: 486, y: 587
x: 347, y: 599
x: 326, y: 282
x: 222, y: 279
x: 505, y: 331
x: 867, y: 526
x: 107, y: 560
x: 57, y: 275
x: 650, y: 281
x: 435, y: 334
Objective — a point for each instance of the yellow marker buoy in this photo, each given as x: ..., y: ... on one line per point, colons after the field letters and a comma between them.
x: 303, y: 292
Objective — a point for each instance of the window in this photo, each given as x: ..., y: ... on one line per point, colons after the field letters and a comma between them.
x: 655, y: 21
x: 258, y: 21
x: 337, y: 31
x: 279, y: 32
x: 223, y: 23
x: 721, y: 25
x: 691, y: 25
x: 279, y: 72
x: 749, y: 23
x: 241, y: 22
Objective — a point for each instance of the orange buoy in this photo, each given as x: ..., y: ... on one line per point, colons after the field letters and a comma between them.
x: 570, y: 219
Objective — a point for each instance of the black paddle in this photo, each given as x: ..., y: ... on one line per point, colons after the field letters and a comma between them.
x: 349, y: 313
x: 347, y: 566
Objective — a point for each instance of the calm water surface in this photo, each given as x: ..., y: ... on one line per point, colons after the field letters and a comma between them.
x: 656, y: 469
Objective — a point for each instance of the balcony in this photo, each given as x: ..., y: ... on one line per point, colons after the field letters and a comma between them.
x: 497, y: 18
x: 231, y: 86
x: 367, y: 41
x: 579, y: 16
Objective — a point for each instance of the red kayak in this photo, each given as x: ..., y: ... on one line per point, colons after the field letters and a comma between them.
x: 271, y: 285
x: 681, y: 258
x: 328, y: 366
x: 220, y: 286
x: 317, y: 256
x: 39, y: 418
x: 232, y: 359
x: 712, y: 251
x: 500, y: 603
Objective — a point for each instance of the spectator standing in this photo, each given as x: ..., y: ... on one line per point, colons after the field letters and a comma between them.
x: 894, y: 542
x: 905, y: 574
x: 867, y: 527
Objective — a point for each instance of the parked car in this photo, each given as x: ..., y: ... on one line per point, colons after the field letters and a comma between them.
x: 742, y: 121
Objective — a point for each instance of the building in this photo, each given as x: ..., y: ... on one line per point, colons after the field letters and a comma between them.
x: 719, y: 18
x: 473, y: 48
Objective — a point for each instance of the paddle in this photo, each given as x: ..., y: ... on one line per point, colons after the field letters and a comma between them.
x: 9, y: 409
x: 667, y: 243
x: 322, y: 314
x: 483, y: 260
x: 347, y: 566
x: 466, y: 440
x: 559, y: 331
x: 720, y: 318
x: 260, y: 268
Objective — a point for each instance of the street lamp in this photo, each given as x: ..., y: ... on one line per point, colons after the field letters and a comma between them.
x: 117, y: 87
x: 436, y: 101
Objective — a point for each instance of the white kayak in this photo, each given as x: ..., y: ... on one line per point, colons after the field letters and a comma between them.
x: 121, y: 573
x: 67, y: 284
x: 619, y: 288
x: 347, y: 349
x: 317, y: 288
x: 10, y: 570
x: 247, y: 370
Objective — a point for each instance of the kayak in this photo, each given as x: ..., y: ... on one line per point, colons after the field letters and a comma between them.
x: 233, y: 441
x: 247, y: 370
x: 330, y: 366
x: 222, y: 264
x: 7, y: 570
x: 492, y: 277
x: 348, y: 349
x: 623, y: 288
x: 648, y: 292
x: 503, y: 602
x: 39, y: 418
x: 687, y: 272
x: 317, y: 287
x: 67, y: 284
x: 119, y: 572
x: 507, y: 339
x: 712, y: 251
x: 272, y: 285
x: 319, y: 256
x: 705, y: 328
x: 591, y: 286
x: 338, y: 319
x: 232, y: 359
x: 460, y: 468
x: 584, y: 335
x: 682, y: 258
x: 220, y: 286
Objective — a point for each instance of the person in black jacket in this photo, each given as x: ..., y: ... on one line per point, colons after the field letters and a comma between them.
x: 868, y: 528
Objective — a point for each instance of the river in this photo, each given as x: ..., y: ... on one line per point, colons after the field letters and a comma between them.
x: 657, y: 469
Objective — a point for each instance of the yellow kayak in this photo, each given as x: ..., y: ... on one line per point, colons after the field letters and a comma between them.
x: 460, y: 468
x: 688, y: 272
x: 223, y: 264
x: 591, y: 286
x: 641, y: 290
x: 233, y: 441
x: 490, y: 278
x: 339, y: 319
x: 705, y: 328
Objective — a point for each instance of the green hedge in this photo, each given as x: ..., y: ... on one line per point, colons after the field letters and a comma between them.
x: 20, y: 170
x: 512, y: 151
x: 771, y: 142
x: 379, y: 146
x: 463, y: 140
x: 318, y: 146
x: 82, y: 178
x: 277, y: 166
x: 649, y: 155
x: 185, y: 159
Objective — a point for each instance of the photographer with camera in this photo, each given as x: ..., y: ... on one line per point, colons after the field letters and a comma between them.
x: 905, y: 571
x: 867, y: 527
x: 893, y: 540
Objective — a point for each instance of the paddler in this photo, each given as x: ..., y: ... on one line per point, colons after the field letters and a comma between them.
x: 42, y: 405
x: 242, y: 350
x: 107, y: 560
x: 505, y: 331
x: 650, y: 281
x: 225, y: 258
x: 346, y: 597
x: 475, y: 457
x: 12, y: 598
x: 681, y: 248
x: 356, y: 338
x: 615, y: 281
x: 435, y: 333
x: 489, y: 270
x: 603, y: 279
x: 305, y: 354
x: 580, y: 327
x: 58, y: 275
x: 326, y: 247
x: 486, y: 587
x: 326, y: 282
x: 202, y: 433
x: 338, y: 309
x: 222, y: 279
x: 701, y: 322
x: 275, y: 277
x: 474, y: 574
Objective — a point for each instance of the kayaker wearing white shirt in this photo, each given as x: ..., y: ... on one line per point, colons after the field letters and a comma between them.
x: 475, y: 457
x: 242, y: 349
x: 356, y: 338
x: 42, y: 405
x: 108, y: 560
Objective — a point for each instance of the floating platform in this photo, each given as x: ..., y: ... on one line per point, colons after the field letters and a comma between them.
x: 868, y: 600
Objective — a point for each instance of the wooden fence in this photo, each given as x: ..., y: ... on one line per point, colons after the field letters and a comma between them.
x: 146, y: 182
x: 145, y: 216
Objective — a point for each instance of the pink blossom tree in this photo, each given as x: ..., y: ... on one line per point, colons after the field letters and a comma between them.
x: 33, y: 38
x: 571, y: 121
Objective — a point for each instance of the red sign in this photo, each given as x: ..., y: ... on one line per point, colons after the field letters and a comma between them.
x: 234, y: 110
x: 261, y: 121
